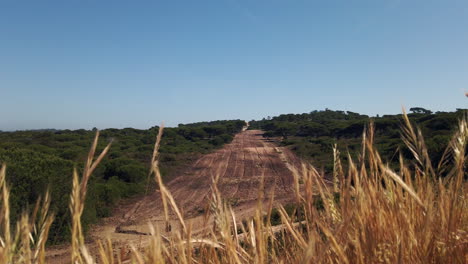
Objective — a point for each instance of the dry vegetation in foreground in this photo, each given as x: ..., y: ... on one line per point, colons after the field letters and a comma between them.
x: 415, y: 214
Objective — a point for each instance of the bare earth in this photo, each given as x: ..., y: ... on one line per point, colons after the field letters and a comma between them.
x: 240, y: 166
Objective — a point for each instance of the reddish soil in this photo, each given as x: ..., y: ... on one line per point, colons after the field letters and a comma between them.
x: 240, y: 166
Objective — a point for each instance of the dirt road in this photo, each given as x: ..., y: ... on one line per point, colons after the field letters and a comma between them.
x: 240, y: 166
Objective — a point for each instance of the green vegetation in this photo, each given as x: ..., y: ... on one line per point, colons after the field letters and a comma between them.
x: 313, y: 135
x: 41, y: 160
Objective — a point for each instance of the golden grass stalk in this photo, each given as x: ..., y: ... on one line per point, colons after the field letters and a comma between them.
x: 44, y: 224
x: 165, y: 194
x: 79, y: 252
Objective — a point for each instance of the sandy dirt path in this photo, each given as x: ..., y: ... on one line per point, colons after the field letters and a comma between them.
x: 240, y: 166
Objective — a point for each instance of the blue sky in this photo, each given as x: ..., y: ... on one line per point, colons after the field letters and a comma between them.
x: 95, y: 63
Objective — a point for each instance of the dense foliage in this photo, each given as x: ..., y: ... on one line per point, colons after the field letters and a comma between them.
x: 313, y: 135
x: 38, y: 160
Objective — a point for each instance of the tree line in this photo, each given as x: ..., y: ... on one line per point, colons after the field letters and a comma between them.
x: 44, y: 159
x: 313, y: 135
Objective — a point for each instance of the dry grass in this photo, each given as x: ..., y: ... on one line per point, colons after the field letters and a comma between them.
x: 411, y: 215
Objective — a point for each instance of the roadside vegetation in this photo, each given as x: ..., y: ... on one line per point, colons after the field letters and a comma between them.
x: 312, y: 136
x: 414, y: 213
x: 44, y: 160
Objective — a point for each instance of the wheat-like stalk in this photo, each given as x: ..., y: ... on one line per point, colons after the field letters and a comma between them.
x: 79, y: 252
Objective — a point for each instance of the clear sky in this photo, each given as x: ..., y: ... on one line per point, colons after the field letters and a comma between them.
x: 95, y: 63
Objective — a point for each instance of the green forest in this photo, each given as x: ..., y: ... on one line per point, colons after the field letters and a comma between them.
x: 44, y: 160
x: 313, y: 135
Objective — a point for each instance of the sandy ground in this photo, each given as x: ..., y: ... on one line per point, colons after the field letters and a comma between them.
x: 240, y: 166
